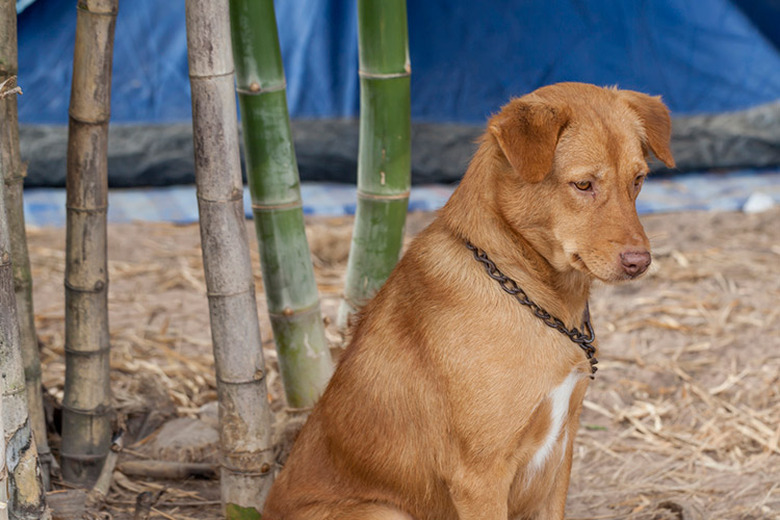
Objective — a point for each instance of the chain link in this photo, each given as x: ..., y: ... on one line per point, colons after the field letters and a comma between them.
x: 584, y: 341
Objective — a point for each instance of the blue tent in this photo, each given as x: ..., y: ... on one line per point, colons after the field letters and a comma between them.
x: 467, y: 57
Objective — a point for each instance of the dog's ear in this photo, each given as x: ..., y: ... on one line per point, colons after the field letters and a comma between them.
x: 528, y: 132
x: 655, y: 118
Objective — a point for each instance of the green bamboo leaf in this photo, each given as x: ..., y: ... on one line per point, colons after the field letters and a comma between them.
x: 236, y: 512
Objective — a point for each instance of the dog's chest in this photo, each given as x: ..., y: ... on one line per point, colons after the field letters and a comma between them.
x: 544, y: 445
x: 558, y: 403
x: 543, y: 449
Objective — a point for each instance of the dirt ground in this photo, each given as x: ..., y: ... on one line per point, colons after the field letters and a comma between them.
x: 682, y: 421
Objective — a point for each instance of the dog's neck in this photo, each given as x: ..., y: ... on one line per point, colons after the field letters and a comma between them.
x: 473, y: 214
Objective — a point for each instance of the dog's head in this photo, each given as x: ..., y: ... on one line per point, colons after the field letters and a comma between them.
x: 574, y: 160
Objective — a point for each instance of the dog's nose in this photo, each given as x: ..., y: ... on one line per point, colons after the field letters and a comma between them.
x: 635, y: 262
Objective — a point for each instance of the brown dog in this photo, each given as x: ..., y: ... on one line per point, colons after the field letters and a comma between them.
x: 453, y: 400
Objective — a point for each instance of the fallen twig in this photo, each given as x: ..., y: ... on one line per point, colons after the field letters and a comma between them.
x: 161, y: 469
x: 99, y: 491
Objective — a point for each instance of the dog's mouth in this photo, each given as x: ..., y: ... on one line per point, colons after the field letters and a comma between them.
x: 576, y: 261
x: 579, y: 264
x: 605, y: 275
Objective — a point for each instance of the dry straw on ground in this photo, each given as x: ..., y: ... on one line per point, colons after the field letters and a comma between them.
x: 682, y: 421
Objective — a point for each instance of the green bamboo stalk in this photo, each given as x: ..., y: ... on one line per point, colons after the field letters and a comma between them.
x: 245, y: 417
x: 272, y: 172
x: 86, y: 425
x: 13, y: 174
x: 384, y: 157
x: 24, y: 488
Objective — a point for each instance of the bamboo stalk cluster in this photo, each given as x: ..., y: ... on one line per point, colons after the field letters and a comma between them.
x: 291, y: 291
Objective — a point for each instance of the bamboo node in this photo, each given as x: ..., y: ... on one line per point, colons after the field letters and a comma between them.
x: 288, y: 313
x: 13, y: 180
x: 243, y: 462
x: 14, y: 391
x: 93, y: 210
x: 215, y: 294
x: 45, y: 455
x: 201, y: 77
x: 392, y: 75
x: 87, y: 353
x: 100, y: 411
x: 91, y: 122
x: 236, y: 196
x: 98, y: 287
x: 246, y: 473
x: 82, y: 456
x: 388, y: 197
x: 291, y: 410
x: 255, y: 88
x: 270, y: 207
x: 256, y: 378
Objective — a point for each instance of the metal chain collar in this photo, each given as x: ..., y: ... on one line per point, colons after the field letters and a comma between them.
x: 585, y: 342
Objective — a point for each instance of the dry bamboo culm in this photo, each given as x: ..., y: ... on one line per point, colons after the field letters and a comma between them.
x: 247, y: 460
x: 13, y: 172
x: 86, y: 421
x: 3, y: 469
x: 25, y: 493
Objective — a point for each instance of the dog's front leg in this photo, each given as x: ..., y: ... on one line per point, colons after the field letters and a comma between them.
x: 481, y: 496
x: 555, y: 505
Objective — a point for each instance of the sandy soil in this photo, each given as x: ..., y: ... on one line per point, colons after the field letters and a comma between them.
x: 682, y: 422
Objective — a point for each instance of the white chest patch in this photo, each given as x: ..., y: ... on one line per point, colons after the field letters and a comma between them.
x: 559, y: 397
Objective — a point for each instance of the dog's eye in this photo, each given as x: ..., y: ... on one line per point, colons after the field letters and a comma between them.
x: 639, y: 180
x: 583, y: 185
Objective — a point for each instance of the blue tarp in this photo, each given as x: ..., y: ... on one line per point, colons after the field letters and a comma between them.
x: 468, y: 57
x: 714, y: 192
